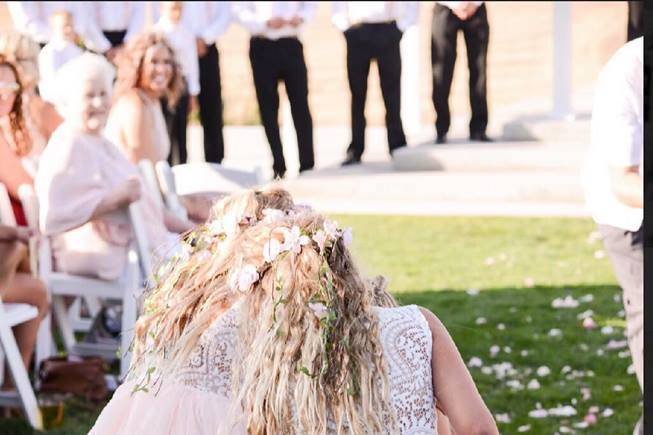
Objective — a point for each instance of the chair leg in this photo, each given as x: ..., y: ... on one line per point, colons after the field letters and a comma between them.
x: 19, y: 374
x: 43, y: 342
x: 63, y: 322
x: 129, y: 313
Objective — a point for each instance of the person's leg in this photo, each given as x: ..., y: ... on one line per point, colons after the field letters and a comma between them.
x: 296, y: 81
x: 263, y: 57
x: 477, y: 33
x: 444, y: 32
x: 389, y: 63
x: 178, y: 151
x: 358, y: 69
x: 626, y: 253
x: 26, y: 289
x: 210, y: 102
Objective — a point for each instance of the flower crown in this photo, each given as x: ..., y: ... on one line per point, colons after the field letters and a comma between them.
x: 293, y: 240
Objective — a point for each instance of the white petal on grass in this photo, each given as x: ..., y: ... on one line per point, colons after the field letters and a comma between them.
x: 502, y: 418
x: 494, y: 350
x: 618, y: 388
x: 486, y: 370
x: 543, y: 371
x: 624, y: 354
x: 481, y: 321
x: 586, y: 393
x: 514, y: 384
x: 534, y: 384
x: 538, y: 413
x: 507, y: 349
x: 501, y: 327
x: 473, y: 291
x: 581, y: 425
x: 600, y: 352
x: 524, y: 353
x: 585, y: 314
x: 555, y: 332
x: 607, y: 330
x: 586, y: 298
x: 563, y: 411
x: 566, y: 302
x: 565, y: 369
x: 631, y: 370
x: 524, y: 428
x: 593, y: 409
x: 589, y: 323
x: 607, y: 412
x: 475, y: 362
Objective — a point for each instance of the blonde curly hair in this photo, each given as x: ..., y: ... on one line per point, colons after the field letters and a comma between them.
x: 299, y: 371
x: 129, y: 63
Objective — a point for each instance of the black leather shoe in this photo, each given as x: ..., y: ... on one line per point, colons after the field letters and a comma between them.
x: 441, y: 139
x: 351, y: 160
x: 480, y: 137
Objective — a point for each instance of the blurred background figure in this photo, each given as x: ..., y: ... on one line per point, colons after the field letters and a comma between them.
x: 635, y: 19
x: 277, y: 54
x: 33, y: 18
x: 209, y: 21
x: 182, y: 40
x: 60, y: 49
x: 117, y: 22
x: 448, y: 19
x: 147, y: 72
x: 614, y: 184
x: 373, y: 31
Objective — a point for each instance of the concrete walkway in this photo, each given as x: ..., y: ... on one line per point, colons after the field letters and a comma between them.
x: 508, y: 177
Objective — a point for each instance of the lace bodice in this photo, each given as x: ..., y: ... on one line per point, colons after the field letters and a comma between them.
x: 406, y: 341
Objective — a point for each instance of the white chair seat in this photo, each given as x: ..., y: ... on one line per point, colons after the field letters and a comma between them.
x: 201, y: 177
x: 15, y: 314
x: 62, y: 284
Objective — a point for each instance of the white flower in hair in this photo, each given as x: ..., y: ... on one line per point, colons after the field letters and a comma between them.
x: 320, y: 238
x: 294, y: 240
x: 271, y: 250
x: 272, y: 215
x: 243, y: 279
x: 331, y: 229
x: 227, y: 225
x: 319, y: 309
x: 347, y: 236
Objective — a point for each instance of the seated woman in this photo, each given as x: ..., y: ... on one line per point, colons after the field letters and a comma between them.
x: 147, y: 71
x: 17, y: 285
x: 267, y: 327
x: 39, y: 117
x: 84, y: 183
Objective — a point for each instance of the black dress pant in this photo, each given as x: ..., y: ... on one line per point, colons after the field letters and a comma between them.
x: 210, y: 102
x: 444, y: 34
x: 115, y: 37
x: 380, y: 42
x: 635, y: 19
x: 177, y: 121
x: 282, y: 60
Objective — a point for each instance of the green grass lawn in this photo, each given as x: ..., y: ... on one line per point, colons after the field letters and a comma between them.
x: 519, y: 267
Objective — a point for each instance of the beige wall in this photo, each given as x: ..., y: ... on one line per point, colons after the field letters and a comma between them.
x: 519, y: 60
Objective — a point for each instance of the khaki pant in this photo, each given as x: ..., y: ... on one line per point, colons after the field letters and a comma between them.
x: 626, y: 252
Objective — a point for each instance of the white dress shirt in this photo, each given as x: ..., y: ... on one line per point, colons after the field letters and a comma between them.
x: 52, y: 57
x: 346, y: 14
x: 33, y: 18
x: 208, y: 20
x: 254, y: 16
x: 617, y: 135
x: 455, y: 4
x: 107, y: 16
x: 183, y: 43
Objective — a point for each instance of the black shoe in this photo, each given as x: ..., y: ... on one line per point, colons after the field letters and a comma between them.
x: 278, y: 175
x: 441, y: 139
x: 480, y: 137
x: 351, y: 160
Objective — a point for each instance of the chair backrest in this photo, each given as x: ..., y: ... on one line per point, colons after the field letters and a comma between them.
x: 169, y: 189
x: 140, y: 233
x: 6, y: 211
x: 202, y: 177
x: 149, y: 175
x: 30, y: 205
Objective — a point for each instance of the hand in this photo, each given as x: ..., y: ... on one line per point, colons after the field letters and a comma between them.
x: 112, y: 53
x: 276, y: 23
x: 24, y: 234
x: 202, y: 49
x: 295, y: 21
x: 129, y: 191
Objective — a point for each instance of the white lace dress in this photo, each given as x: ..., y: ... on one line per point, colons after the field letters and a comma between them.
x: 197, y: 400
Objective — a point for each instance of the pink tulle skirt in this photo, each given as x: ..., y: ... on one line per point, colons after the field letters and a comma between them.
x: 175, y: 409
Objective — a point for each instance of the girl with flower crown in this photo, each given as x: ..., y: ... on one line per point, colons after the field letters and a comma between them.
x: 265, y: 326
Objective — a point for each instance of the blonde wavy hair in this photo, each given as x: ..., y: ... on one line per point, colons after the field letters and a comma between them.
x: 130, y: 66
x: 298, y: 370
x: 19, y: 141
x: 23, y: 52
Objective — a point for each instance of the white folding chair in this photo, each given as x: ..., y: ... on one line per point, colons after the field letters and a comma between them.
x: 44, y: 341
x: 169, y: 189
x: 10, y: 316
x: 202, y: 177
x: 125, y: 289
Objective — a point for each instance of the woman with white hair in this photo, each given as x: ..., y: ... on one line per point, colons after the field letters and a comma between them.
x: 84, y: 182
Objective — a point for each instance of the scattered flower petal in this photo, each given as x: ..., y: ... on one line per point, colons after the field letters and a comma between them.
x: 481, y: 321
x: 607, y: 412
x: 475, y: 362
x: 589, y: 323
x: 502, y: 418
x: 473, y: 291
x: 543, y: 371
x: 555, y: 332
x: 534, y: 384
x: 524, y: 428
x: 566, y: 302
